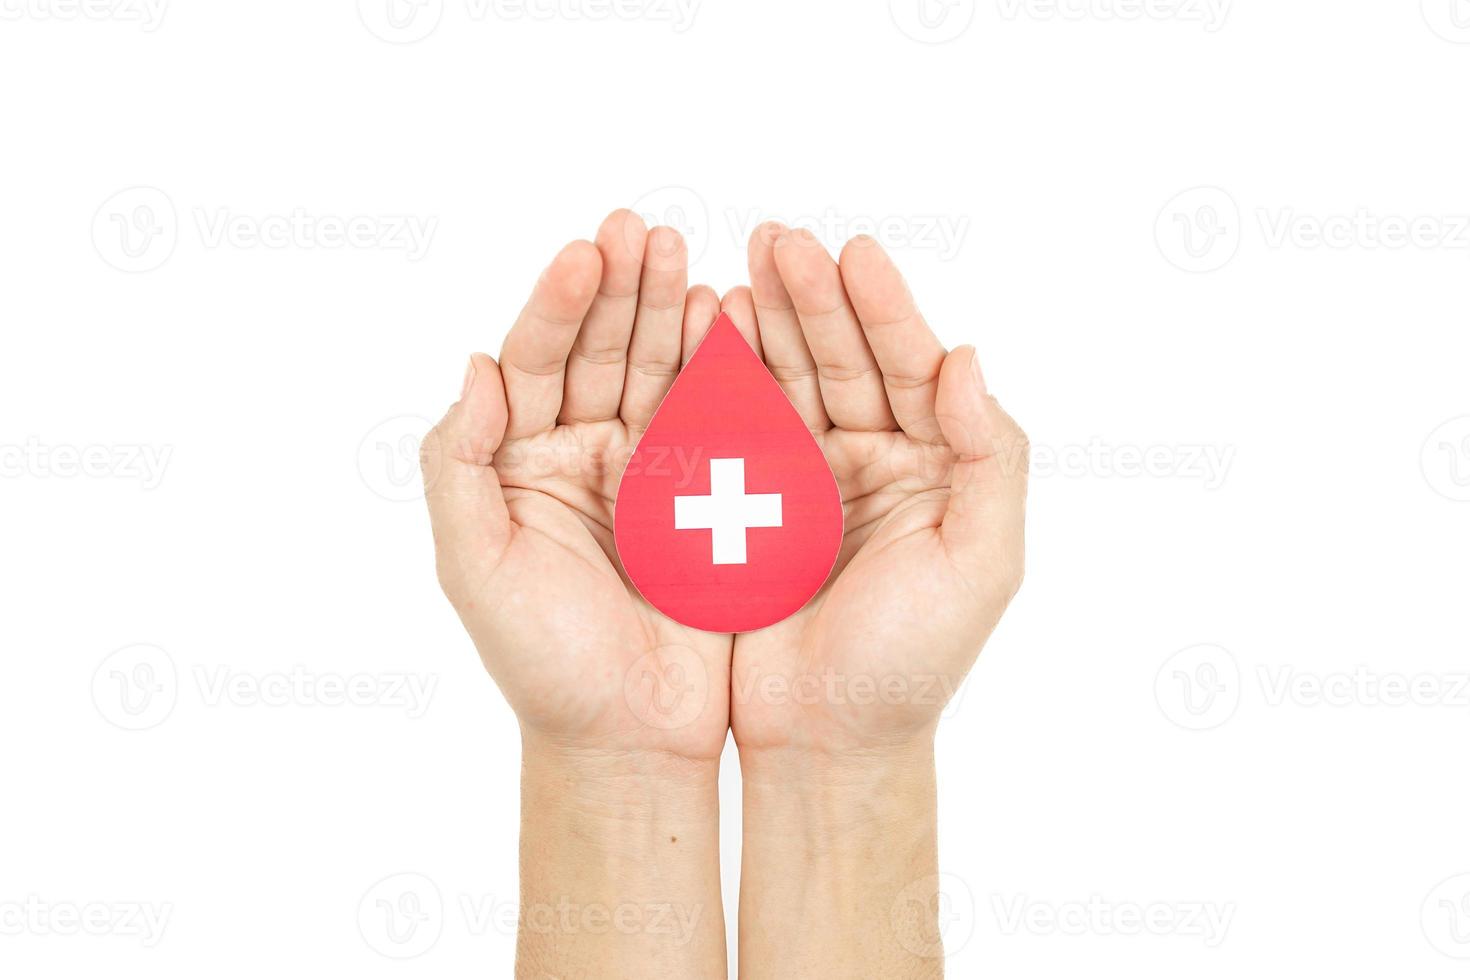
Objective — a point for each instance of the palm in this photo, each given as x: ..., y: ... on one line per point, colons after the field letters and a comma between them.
x: 531, y: 457
x: 886, y: 616
x: 579, y: 622
x: 917, y: 585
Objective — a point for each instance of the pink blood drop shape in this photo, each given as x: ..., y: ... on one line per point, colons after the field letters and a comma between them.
x: 725, y: 406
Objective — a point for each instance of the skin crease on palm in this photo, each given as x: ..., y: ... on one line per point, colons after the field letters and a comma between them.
x: 522, y: 474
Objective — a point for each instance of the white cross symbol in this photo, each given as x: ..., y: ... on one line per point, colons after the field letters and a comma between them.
x: 728, y: 511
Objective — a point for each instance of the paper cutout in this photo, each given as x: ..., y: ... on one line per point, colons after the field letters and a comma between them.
x: 728, y: 518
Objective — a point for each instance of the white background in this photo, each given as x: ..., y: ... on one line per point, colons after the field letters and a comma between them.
x: 1299, y: 521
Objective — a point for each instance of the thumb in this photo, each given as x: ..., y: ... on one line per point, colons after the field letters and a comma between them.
x: 466, y: 506
x: 984, y: 525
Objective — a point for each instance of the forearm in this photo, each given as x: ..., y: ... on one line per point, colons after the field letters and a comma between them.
x: 619, y: 867
x: 840, y: 865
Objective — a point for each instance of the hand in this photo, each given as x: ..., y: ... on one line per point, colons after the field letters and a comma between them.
x: 623, y: 712
x: 933, y: 480
x: 834, y: 709
x: 521, y: 476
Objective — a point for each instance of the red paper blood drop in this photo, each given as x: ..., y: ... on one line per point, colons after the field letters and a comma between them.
x: 728, y: 518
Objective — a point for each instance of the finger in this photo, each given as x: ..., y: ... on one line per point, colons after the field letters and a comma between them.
x: 907, y: 352
x: 984, y: 523
x: 594, y: 382
x: 738, y: 306
x: 852, y: 388
x: 466, y: 506
x: 787, y: 356
x: 658, y: 326
x: 534, y: 359
x: 701, y: 309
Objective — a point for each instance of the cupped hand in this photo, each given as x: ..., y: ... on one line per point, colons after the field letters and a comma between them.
x: 932, y: 474
x: 521, y: 475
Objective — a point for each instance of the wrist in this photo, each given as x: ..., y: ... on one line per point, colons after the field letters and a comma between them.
x: 842, y: 843
x: 613, y: 782
x: 826, y: 801
x: 618, y: 812
x: 619, y: 863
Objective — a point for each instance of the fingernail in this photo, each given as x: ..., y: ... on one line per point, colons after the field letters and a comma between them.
x: 665, y: 241
x: 469, y: 379
x: 975, y: 370
x: 770, y: 232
